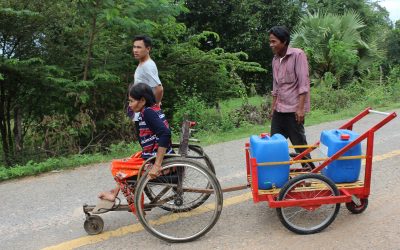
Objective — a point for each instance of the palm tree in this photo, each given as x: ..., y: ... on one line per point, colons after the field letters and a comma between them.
x: 333, y: 44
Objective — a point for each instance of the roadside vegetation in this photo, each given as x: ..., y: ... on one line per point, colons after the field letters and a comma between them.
x: 64, y: 74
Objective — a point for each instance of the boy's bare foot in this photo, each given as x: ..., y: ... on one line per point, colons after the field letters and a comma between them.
x: 110, y: 196
x: 107, y: 196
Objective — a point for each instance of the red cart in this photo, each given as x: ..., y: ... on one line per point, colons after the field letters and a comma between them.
x: 309, y: 201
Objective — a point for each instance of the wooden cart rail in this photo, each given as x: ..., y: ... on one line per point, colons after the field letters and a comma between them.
x: 314, y: 187
x: 310, y: 160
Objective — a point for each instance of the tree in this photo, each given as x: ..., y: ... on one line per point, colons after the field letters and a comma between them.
x: 21, y: 35
x: 374, y: 16
x: 212, y: 75
x: 243, y: 26
x: 333, y: 44
x: 393, y: 44
x: 71, y: 59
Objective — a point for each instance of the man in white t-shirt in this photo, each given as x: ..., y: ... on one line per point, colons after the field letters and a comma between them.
x: 146, y: 72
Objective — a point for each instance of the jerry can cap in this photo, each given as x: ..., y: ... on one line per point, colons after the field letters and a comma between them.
x: 345, y: 137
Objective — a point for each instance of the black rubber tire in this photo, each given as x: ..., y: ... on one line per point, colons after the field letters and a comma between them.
x: 213, y: 209
x: 353, y: 208
x: 93, y: 225
x: 294, y: 183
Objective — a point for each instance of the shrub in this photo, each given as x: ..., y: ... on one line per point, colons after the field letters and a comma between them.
x: 324, y: 97
x: 251, y: 114
x: 193, y: 108
x: 394, y: 83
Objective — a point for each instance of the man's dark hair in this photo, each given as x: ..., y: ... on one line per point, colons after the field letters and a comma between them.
x: 140, y: 90
x: 282, y: 33
x: 146, y: 40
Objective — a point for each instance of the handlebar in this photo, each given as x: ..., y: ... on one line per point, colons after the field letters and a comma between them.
x: 379, y: 112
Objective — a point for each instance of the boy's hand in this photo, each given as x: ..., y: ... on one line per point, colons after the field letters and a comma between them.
x: 155, y: 171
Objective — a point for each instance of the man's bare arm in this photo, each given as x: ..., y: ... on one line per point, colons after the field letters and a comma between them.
x: 158, y: 93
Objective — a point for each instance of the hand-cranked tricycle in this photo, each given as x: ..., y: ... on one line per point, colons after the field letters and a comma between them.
x: 186, y: 202
x: 181, y: 205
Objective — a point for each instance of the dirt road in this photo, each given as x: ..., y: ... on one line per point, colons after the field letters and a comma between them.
x: 46, y: 211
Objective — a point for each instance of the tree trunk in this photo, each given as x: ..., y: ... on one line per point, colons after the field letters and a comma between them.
x: 3, y: 128
x: 8, y: 127
x: 18, y: 136
x: 218, y: 108
x: 89, y: 52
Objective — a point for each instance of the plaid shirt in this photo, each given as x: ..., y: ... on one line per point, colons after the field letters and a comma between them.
x: 291, y: 78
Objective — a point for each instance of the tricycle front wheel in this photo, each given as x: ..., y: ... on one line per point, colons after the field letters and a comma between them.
x: 93, y: 225
x: 308, y: 219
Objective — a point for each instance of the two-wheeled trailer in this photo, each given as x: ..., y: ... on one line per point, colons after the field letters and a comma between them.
x: 309, y: 201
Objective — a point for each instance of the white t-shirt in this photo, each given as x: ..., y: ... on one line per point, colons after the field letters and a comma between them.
x: 146, y: 72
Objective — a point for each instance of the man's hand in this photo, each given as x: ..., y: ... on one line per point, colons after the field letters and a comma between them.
x: 300, y: 109
x: 272, y: 107
x: 300, y: 116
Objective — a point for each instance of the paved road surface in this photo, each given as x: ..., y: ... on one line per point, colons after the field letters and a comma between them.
x: 46, y: 211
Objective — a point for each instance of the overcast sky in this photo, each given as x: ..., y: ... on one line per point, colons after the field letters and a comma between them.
x: 393, y: 6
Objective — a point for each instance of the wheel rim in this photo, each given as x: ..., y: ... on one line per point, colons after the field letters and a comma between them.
x: 181, y: 222
x: 309, y: 219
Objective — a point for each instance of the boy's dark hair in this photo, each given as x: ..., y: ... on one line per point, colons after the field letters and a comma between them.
x: 146, y: 40
x: 282, y: 33
x: 140, y: 90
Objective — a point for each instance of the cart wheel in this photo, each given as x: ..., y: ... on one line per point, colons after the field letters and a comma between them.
x: 352, y: 207
x: 196, y: 199
x: 312, y: 218
x: 190, y: 185
x: 94, y: 225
